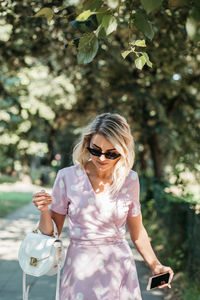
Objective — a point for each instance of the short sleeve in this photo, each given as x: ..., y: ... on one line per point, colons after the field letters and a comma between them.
x: 59, y: 194
x: 134, y: 208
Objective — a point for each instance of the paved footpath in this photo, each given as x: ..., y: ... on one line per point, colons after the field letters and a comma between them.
x: 12, y: 231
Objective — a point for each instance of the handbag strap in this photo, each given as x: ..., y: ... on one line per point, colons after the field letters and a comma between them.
x: 25, y: 289
x: 55, y: 230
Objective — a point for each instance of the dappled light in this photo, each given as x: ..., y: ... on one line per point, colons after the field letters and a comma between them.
x: 62, y: 64
x: 12, y: 232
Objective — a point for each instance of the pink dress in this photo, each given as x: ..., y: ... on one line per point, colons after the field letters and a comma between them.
x: 99, y: 263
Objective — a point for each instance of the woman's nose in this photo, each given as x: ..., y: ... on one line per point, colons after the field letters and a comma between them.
x: 102, y: 157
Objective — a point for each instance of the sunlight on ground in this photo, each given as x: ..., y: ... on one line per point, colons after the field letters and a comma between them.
x: 14, y: 228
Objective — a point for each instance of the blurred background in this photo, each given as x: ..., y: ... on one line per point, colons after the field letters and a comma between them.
x: 46, y: 98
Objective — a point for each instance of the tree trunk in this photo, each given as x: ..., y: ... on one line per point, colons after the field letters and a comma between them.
x: 143, y: 159
x: 156, y: 155
x: 50, y: 145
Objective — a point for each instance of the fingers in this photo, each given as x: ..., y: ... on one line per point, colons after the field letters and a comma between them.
x: 41, y: 193
x: 42, y: 199
x: 171, y: 275
x: 170, y: 279
x: 164, y: 285
x: 161, y: 270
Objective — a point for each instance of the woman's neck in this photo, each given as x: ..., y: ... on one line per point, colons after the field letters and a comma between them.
x: 94, y: 171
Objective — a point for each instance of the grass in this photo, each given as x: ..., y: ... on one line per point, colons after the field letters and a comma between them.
x: 11, y: 201
x: 8, y: 179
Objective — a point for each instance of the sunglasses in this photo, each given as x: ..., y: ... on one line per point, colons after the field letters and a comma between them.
x: 109, y: 155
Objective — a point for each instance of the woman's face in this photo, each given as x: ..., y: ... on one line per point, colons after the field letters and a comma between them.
x: 99, y: 142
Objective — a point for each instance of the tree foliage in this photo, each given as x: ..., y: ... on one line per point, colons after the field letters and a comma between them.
x: 102, y: 19
x: 46, y: 96
x: 63, y: 63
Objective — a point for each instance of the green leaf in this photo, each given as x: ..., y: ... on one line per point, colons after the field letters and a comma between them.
x: 45, y: 12
x: 109, y: 23
x: 125, y: 53
x: 85, y: 15
x: 148, y: 62
x: 87, y: 48
x: 139, y: 43
x: 144, y: 25
x: 101, y: 13
x: 92, y: 5
x: 140, y: 62
x: 88, y: 25
x: 193, y: 25
x: 150, y: 5
x: 81, y: 26
x: 101, y: 32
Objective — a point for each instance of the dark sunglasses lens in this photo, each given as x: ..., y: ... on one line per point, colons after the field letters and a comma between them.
x: 110, y: 155
x: 94, y: 152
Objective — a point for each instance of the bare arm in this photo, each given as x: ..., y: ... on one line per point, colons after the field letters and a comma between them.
x: 59, y: 220
x: 41, y: 201
x: 46, y: 225
x: 141, y: 240
x: 142, y: 243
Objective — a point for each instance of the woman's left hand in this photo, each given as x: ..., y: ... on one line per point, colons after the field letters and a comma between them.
x: 160, y: 269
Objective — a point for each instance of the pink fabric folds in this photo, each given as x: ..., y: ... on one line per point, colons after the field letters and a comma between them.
x: 99, y: 263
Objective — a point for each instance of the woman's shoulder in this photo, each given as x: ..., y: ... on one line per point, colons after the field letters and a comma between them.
x: 133, y: 175
x: 131, y: 179
x: 69, y: 170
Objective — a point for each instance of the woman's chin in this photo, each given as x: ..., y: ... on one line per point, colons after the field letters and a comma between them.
x: 102, y: 166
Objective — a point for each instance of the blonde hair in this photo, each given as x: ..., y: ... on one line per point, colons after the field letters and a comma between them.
x: 116, y: 130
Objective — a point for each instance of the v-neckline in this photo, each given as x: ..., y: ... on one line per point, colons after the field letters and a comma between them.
x: 90, y: 184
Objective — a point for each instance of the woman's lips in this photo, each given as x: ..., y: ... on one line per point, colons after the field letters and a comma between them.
x: 101, y: 163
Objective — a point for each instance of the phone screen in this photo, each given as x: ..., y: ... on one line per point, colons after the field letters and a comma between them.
x: 159, y: 280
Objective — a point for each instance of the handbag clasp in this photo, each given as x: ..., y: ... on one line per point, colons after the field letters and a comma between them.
x: 33, y: 261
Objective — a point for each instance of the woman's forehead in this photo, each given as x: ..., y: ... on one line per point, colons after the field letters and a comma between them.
x: 101, y: 141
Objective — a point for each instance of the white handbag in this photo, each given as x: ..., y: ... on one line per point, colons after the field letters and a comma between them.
x: 39, y: 255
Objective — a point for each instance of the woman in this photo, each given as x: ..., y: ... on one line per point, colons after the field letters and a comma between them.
x: 100, y: 194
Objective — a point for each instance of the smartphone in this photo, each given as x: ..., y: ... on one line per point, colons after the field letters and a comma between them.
x: 157, y: 280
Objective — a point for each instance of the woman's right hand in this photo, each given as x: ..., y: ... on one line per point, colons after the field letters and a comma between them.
x: 42, y: 200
